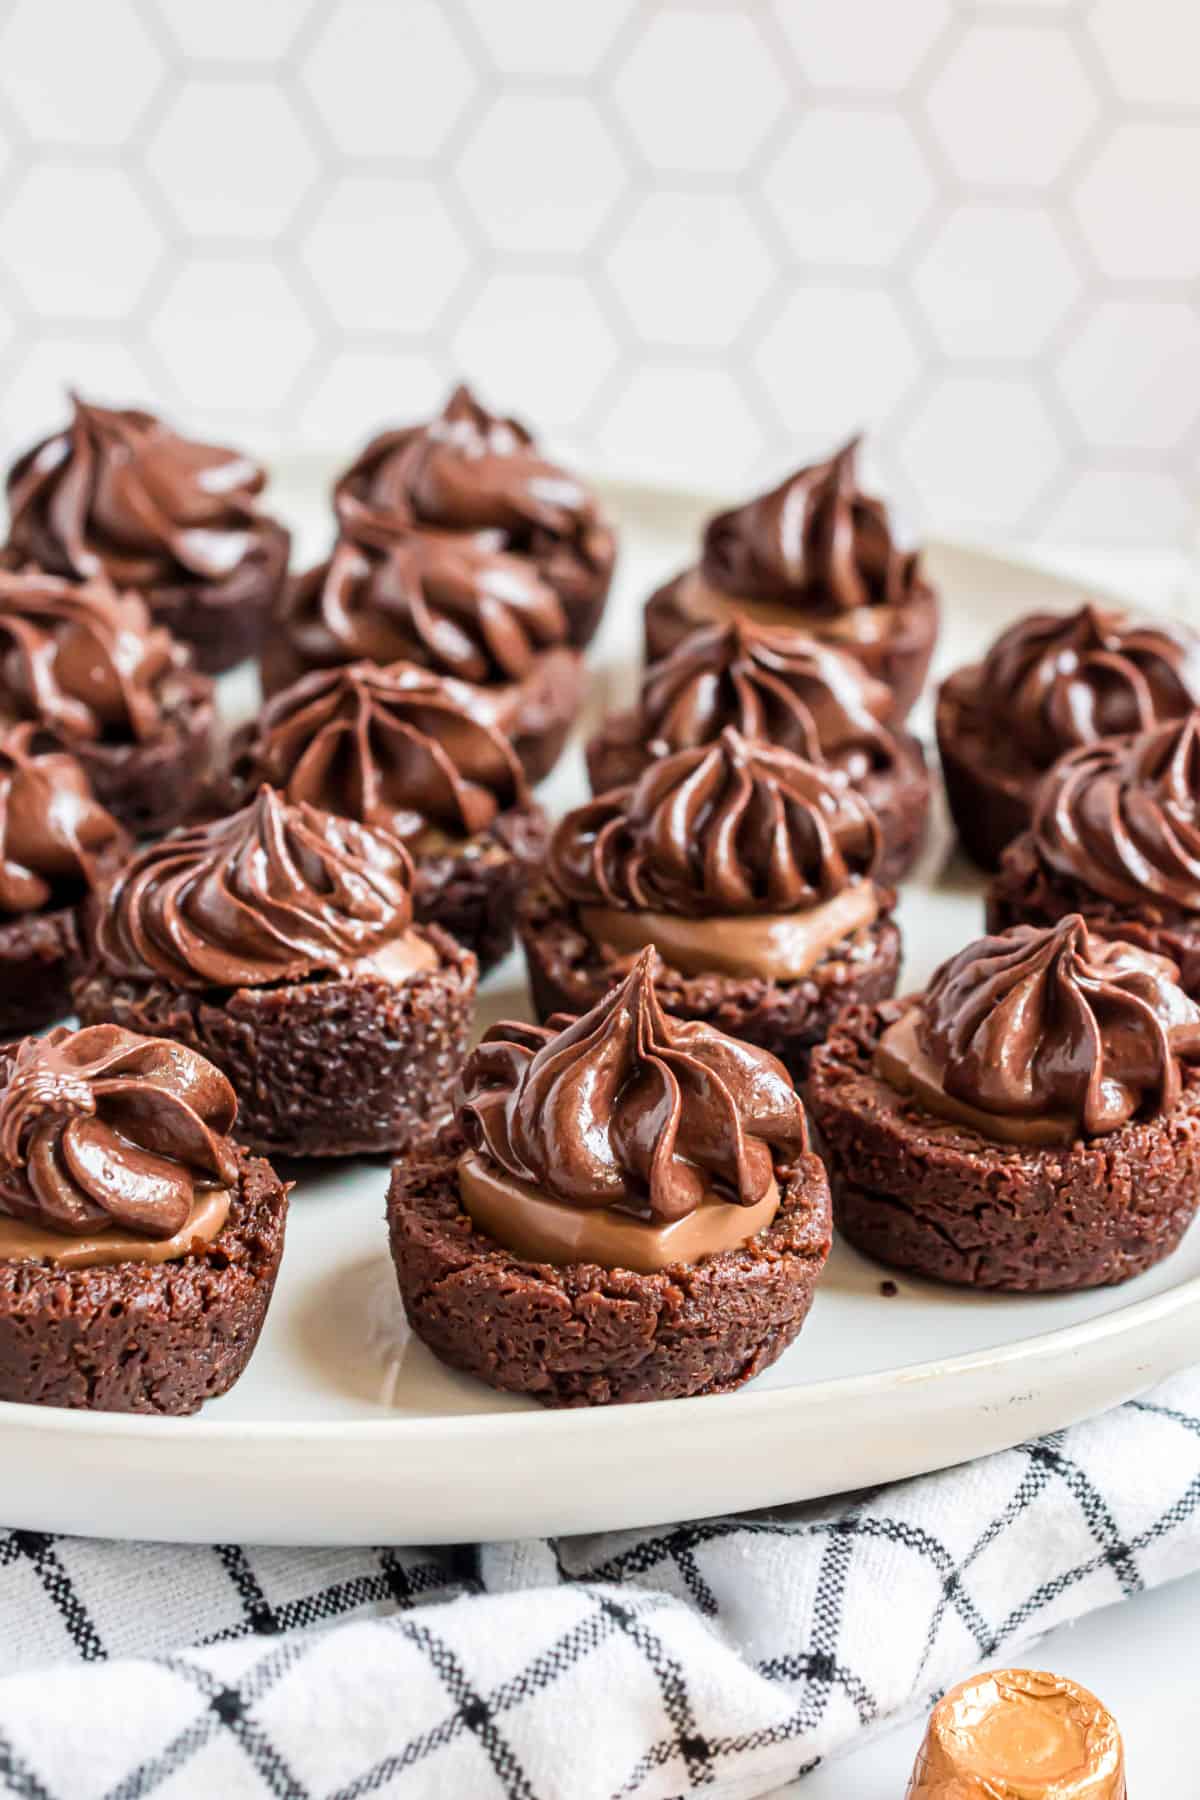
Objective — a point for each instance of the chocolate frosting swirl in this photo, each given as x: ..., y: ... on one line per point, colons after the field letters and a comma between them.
x: 274, y: 893
x: 734, y: 827
x: 628, y: 1108
x: 53, y: 831
x: 816, y: 540
x: 1122, y: 817
x: 394, y: 747
x: 470, y: 471
x: 83, y: 660
x: 119, y: 494
x: 777, y: 685
x: 1037, y: 1021
x: 1054, y: 681
x: 448, y: 603
x: 102, y: 1128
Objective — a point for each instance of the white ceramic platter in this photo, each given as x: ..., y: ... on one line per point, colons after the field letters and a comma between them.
x: 345, y: 1430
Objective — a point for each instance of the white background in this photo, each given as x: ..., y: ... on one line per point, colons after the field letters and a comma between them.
x: 696, y: 240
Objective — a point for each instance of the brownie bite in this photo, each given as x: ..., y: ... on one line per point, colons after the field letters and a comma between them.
x: 787, y: 689
x: 626, y: 1208
x: 279, y: 943
x: 118, y: 494
x: 87, y: 665
x: 139, y: 1243
x: 400, y: 747
x: 749, y: 871
x: 818, y: 555
x: 1049, y: 684
x: 57, y: 846
x: 1116, y: 837
x: 482, y: 479
x: 1031, y: 1122
x: 450, y: 604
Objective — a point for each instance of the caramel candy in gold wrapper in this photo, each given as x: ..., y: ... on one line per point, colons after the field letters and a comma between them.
x: 1018, y: 1734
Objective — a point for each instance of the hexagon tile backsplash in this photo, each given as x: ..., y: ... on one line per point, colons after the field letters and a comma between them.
x: 690, y: 239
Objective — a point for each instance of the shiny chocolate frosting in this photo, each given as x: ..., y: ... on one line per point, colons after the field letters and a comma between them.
x: 778, y: 685
x: 1054, y: 681
x: 816, y: 541
x: 733, y: 827
x: 82, y: 659
x: 104, y: 1129
x: 119, y: 494
x: 629, y: 1108
x: 470, y: 471
x: 396, y: 747
x: 446, y: 602
x: 54, y: 833
x: 1121, y: 818
x: 1055, y: 1021
x: 273, y: 893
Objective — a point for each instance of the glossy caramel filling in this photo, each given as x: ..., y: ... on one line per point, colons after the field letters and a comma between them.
x: 769, y: 946
x: 1017, y: 1734
x: 536, y: 1228
x: 905, y: 1066
x: 409, y: 954
x: 23, y: 1242
x: 697, y: 599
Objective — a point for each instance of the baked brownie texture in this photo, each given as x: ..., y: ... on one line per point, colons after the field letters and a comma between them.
x: 1115, y: 837
x: 141, y: 1337
x: 279, y: 943
x: 401, y: 747
x: 329, y: 1066
x: 472, y: 474
x: 1083, y: 1058
x: 118, y: 494
x: 586, y: 1336
x: 1050, y: 684
x: 820, y: 548
x: 569, y: 974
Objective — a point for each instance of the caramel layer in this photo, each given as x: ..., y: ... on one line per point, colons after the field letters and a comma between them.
x: 519, y: 1216
x: 1023, y: 1735
x: 21, y: 1242
x: 773, y: 946
x: 857, y: 624
x: 406, y: 955
x: 904, y: 1065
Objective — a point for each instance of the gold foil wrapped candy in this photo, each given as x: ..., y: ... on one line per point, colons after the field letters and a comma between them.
x: 1019, y: 1734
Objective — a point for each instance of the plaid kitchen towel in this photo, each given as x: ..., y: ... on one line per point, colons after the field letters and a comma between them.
x: 723, y: 1657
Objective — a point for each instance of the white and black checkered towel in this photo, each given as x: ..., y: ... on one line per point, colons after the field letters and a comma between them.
x: 726, y: 1656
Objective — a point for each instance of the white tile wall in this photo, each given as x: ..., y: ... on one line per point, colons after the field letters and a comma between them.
x: 696, y: 239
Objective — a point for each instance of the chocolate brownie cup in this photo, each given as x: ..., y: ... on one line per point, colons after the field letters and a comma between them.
x: 57, y: 845
x: 119, y: 494
x: 279, y: 943
x: 789, y: 690
x: 627, y: 1209
x: 482, y: 480
x: 449, y: 604
x: 750, y: 872
x: 138, y: 1244
x: 817, y: 555
x: 88, y: 667
x: 1031, y: 1122
x: 1050, y: 683
x: 398, y: 747
x: 1116, y: 837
